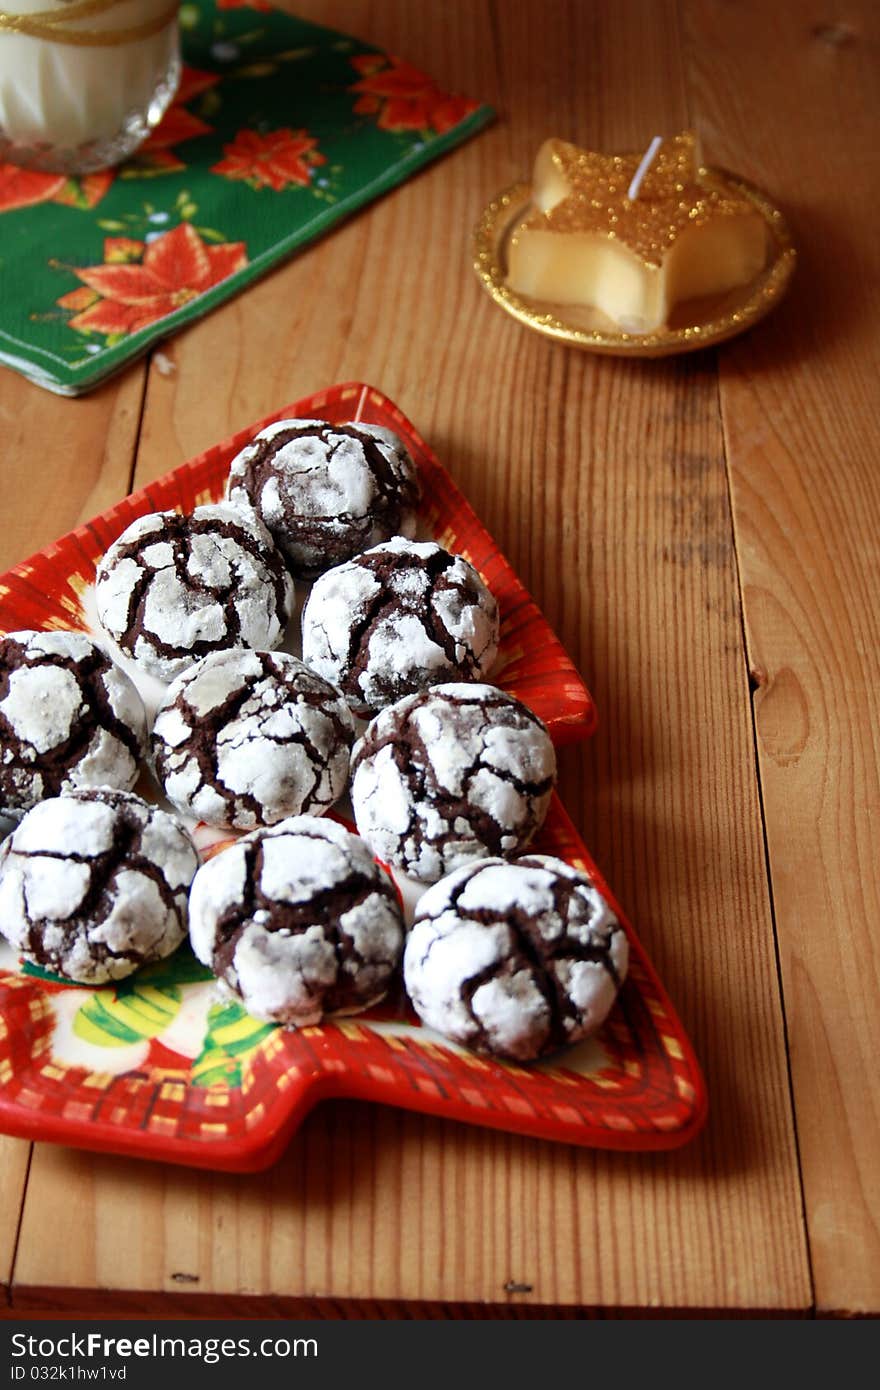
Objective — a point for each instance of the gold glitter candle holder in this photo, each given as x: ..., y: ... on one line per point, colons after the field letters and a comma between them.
x: 598, y: 200
x: 83, y: 82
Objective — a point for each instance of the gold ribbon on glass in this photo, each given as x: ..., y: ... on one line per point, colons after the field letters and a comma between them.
x: 53, y: 24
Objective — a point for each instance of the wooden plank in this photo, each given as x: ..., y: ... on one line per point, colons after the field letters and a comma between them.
x: 666, y: 792
x: 605, y: 482
x: 798, y: 400
x: 63, y: 460
x: 14, y: 1158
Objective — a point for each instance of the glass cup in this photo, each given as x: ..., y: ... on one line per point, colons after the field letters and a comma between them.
x: 83, y: 82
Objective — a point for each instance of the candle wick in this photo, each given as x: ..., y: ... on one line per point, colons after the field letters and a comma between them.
x: 647, y: 160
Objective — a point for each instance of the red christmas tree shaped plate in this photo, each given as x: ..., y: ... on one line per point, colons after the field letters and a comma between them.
x: 159, y: 1066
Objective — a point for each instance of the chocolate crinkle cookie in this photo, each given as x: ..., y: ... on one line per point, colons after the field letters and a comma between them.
x: 94, y: 884
x: 398, y: 619
x: 327, y: 492
x: 517, y: 960
x: 173, y: 588
x: 69, y: 718
x: 449, y: 775
x: 299, y: 921
x: 244, y: 739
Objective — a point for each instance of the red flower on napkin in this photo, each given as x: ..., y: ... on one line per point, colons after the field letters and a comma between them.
x: 272, y: 161
x: 21, y: 188
x: 174, y: 269
x: 405, y: 98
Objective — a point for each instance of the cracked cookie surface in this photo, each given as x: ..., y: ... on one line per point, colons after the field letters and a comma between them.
x: 452, y: 774
x: 515, y: 959
x: 398, y: 619
x: 174, y: 588
x: 244, y: 739
x: 299, y: 921
x: 327, y: 492
x: 69, y: 718
x: 94, y: 885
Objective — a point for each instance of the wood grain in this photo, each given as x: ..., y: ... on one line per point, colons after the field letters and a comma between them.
x: 63, y: 460
x: 14, y: 1157
x: 637, y: 514
x: 798, y: 403
x: 605, y: 483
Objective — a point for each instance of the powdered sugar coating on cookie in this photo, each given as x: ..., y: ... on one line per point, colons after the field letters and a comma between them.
x: 69, y: 718
x: 450, y: 775
x: 94, y: 884
x: 398, y: 619
x: 515, y: 959
x: 173, y: 588
x: 244, y: 739
x: 326, y: 492
x: 299, y: 921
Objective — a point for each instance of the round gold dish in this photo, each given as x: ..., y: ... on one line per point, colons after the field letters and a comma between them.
x: 695, y: 323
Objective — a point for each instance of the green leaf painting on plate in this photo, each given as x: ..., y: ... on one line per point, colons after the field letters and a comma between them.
x: 279, y: 128
x: 231, y: 1038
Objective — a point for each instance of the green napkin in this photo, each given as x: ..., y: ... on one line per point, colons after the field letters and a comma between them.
x: 279, y: 129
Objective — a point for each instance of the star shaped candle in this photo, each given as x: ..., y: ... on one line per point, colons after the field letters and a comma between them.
x: 633, y: 234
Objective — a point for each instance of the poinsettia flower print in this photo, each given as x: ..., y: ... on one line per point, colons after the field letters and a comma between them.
x: 403, y: 98
x: 139, y: 283
x: 22, y: 188
x: 273, y: 160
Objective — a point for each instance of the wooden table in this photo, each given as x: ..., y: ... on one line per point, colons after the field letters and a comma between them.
x: 703, y: 533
